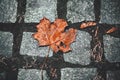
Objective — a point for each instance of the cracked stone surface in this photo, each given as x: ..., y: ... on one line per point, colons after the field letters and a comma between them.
x: 37, y: 9
x: 78, y: 74
x: 80, y: 10
x: 110, y: 11
x: 80, y: 49
x: 8, y: 9
x: 29, y: 46
x: 112, y: 48
x: 6, y: 43
x: 31, y: 74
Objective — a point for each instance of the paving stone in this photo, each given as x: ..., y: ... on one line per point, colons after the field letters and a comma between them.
x: 29, y: 46
x: 8, y: 9
x: 80, y: 10
x: 37, y: 9
x: 2, y: 76
x: 80, y: 49
x: 112, y: 48
x: 78, y: 73
x: 6, y: 43
x: 31, y: 74
x: 113, y: 75
x: 110, y: 11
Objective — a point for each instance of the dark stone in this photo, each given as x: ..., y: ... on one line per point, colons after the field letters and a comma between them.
x: 8, y: 9
x: 6, y: 42
x: 110, y: 11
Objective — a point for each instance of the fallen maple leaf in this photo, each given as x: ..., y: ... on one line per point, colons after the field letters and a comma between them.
x: 53, y: 35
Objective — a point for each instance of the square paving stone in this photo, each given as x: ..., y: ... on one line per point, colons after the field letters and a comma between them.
x: 37, y: 9
x: 78, y: 74
x: 80, y: 49
x: 31, y: 74
x: 110, y: 11
x: 8, y: 10
x: 80, y: 10
x: 6, y: 43
x: 29, y: 46
x: 113, y: 75
x: 112, y: 48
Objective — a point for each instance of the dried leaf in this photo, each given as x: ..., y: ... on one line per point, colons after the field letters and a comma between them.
x: 111, y: 30
x: 53, y: 35
x: 87, y: 24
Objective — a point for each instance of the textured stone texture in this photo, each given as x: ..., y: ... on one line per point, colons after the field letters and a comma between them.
x: 37, y: 9
x: 80, y: 49
x: 30, y: 46
x: 32, y: 74
x: 113, y: 75
x: 80, y: 10
x: 8, y: 10
x: 2, y: 76
x: 78, y: 74
x: 6, y: 42
x: 110, y: 11
x: 112, y: 48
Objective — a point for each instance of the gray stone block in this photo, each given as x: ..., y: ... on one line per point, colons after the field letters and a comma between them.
x: 8, y: 10
x: 29, y: 46
x: 78, y: 73
x: 2, y: 75
x: 37, y: 9
x: 112, y: 48
x: 113, y: 75
x: 110, y: 11
x: 80, y: 10
x: 31, y: 74
x: 6, y: 43
x: 80, y: 49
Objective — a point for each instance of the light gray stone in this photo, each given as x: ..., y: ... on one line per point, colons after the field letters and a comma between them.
x: 112, y: 48
x: 80, y: 49
x: 78, y: 73
x: 37, y: 9
x: 110, y: 11
x: 8, y: 9
x: 29, y: 46
x: 31, y: 74
x: 6, y: 43
x: 80, y: 10
x: 113, y: 75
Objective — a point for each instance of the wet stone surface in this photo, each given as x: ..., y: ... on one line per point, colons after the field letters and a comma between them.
x: 78, y: 74
x: 112, y: 48
x: 8, y: 10
x: 37, y: 9
x: 110, y: 11
x: 31, y: 74
x: 80, y: 49
x: 29, y: 46
x: 80, y: 10
x: 6, y: 43
x: 113, y: 75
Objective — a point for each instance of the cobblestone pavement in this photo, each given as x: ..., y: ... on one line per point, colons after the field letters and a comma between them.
x: 23, y: 57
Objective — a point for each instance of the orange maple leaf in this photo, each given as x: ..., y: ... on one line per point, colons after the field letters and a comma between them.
x: 53, y: 35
